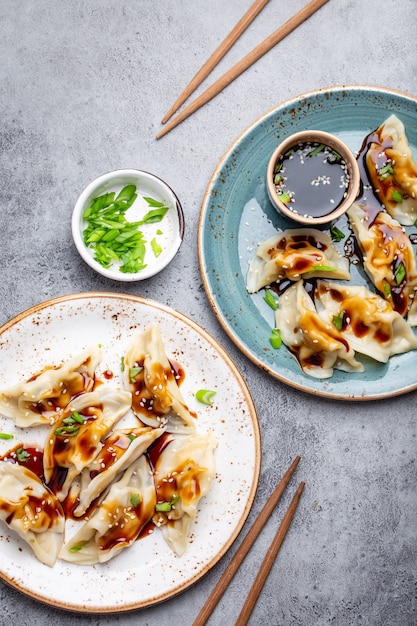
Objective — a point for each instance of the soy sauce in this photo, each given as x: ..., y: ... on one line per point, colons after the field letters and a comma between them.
x: 311, y: 179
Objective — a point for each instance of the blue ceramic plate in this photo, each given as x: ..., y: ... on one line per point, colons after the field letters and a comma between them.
x: 236, y: 215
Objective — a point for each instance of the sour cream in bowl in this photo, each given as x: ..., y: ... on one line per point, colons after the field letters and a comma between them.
x: 128, y: 225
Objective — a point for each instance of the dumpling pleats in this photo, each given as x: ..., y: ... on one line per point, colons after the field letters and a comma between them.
x: 183, y: 475
x: 120, y: 449
x: 32, y: 511
x: 118, y: 521
x: 368, y: 322
x: 317, y: 343
x: 76, y: 437
x: 294, y: 254
x: 40, y: 399
x: 388, y: 255
x: 393, y: 171
x: 156, y: 397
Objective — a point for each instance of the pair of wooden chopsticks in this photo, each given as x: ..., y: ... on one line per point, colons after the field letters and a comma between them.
x: 245, y: 546
x: 240, y: 67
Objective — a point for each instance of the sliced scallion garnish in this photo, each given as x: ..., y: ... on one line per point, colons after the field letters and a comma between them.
x: 397, y: 196
x: 205, y: 396
x: 270, y: 299
x: 22, y: 455
x: 338, y: 320
x: 6, y: 436
x: 335, y: 233
x: 275, y: 338
x: 399, y: 273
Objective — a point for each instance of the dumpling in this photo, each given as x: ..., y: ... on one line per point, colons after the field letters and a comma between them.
x: 318, y: 345
x: 41, y: 398
x: 392, y: 170
x: 31, y: 510
x: 118, y: 521
x: 76, y: 437
x: 120, y: 449
x: 368, y: 322
x: 294, y: 254
x: 388, y: 256
x: 156, y: 397
x: 184, y: 472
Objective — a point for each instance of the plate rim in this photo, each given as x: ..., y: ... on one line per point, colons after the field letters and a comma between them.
x: 257, y: 442
x: 201, y: 233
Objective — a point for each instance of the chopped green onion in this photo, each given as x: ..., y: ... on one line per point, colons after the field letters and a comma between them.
x: 335, y: 233
x: 131, y: 437
x: 163, y: 507
x: 112, y: 238
x: 154, y: 216
x: 66, y: 431
x: 5, y: 436
x: 397, y: 196
x: 284, y: 197
x: 323, y: 268
x: 338, y: 320
x: 387, y: 290
x: 122, y: 363
x: 385, y: 171
x: 133, y: 372
x: 316, y: 150
x: 78, y: 546
x: 399, y: 273
x: 205, y: 396
x: 270, y: 299
x: 156, y: 247
x: 334, y: 157
x: 135, y: 499
x: 22, y: 455
x: 275, y: 338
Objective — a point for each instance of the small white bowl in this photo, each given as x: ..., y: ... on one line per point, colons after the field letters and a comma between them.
x: 147, y: 185
x: 333, y: 143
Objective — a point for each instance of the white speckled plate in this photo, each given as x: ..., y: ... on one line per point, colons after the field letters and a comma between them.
x: 147, y: 572
x: 236, y: 215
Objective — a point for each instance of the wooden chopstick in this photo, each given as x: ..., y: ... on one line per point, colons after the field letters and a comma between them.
x: 246, y: 545
x: 244, y: 63
x: 217, y: 55
x: 269, y: 559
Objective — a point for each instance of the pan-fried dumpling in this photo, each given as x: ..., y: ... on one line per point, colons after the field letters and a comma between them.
x: 294, y: 254
x: 41, y: 398
x: 120, y: 449
x: 76, y: 437
x: 156, y: 397
x: 388, y: 256
x: 393, y: 171
x: 31, y: 510
x: 118, y: 521
x: 318, y: 345
x: 183, y: 473
x: 368, y: 322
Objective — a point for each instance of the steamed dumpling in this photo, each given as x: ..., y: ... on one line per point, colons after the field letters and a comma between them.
x: 294, y: 254
x: 120, y: 449
x: 388, y: 256
x: 393, y: 171
x: 156, y: 397
x: 76, y: 437
x: 368, y: 322
x: 41, y: 398
x: 318, y: 345
x: 184, y: 472
x: 118, y: 521
x: 31, y: 510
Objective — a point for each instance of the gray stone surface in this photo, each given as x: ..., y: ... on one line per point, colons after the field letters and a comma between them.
x: 84, y: 86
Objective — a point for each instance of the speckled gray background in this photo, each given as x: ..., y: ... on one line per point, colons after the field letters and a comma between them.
x: 84, y: 85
